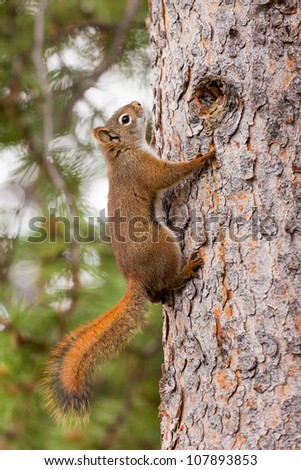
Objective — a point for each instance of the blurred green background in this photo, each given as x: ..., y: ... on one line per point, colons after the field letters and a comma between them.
x: 63, y: 71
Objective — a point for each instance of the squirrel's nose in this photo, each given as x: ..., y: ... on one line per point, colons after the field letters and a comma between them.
x: 136, y: 105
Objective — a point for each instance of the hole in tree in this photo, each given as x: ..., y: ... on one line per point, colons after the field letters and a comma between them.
x: 209, y: 95
x: 233, y: 33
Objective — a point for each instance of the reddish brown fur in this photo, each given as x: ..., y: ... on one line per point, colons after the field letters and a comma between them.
x: 78, y: 357
x: 151, y: 265
x: 71, y: 363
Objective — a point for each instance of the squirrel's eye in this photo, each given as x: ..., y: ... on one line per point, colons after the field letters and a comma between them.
x: 125, y: 119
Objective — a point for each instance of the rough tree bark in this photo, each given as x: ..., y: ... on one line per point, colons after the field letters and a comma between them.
x: 231, y: 69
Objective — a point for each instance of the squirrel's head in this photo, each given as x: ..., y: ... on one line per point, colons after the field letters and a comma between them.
x: 126, y: 128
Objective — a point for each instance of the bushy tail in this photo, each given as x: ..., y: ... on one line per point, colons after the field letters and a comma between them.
x: 69, y: 370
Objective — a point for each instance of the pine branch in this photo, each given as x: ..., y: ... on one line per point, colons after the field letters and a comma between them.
x: 48, y: 122
x: 83, y: 25
x: 82, y: 85
x: 48, y: 136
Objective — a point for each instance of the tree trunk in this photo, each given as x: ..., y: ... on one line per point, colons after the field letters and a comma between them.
x: 231, y: 69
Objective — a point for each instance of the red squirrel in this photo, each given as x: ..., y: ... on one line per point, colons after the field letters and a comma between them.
x: 152, y: 264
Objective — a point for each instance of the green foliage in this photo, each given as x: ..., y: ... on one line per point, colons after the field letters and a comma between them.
x: 48, y: 287
x: 125, y: 401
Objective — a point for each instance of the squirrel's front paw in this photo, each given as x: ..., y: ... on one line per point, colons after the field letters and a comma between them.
x: 205, y: 156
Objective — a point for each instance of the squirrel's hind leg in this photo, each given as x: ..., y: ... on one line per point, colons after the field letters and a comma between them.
x: 189, y: 271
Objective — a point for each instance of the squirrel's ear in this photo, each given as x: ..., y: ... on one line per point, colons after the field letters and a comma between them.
x: 103, y: 135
